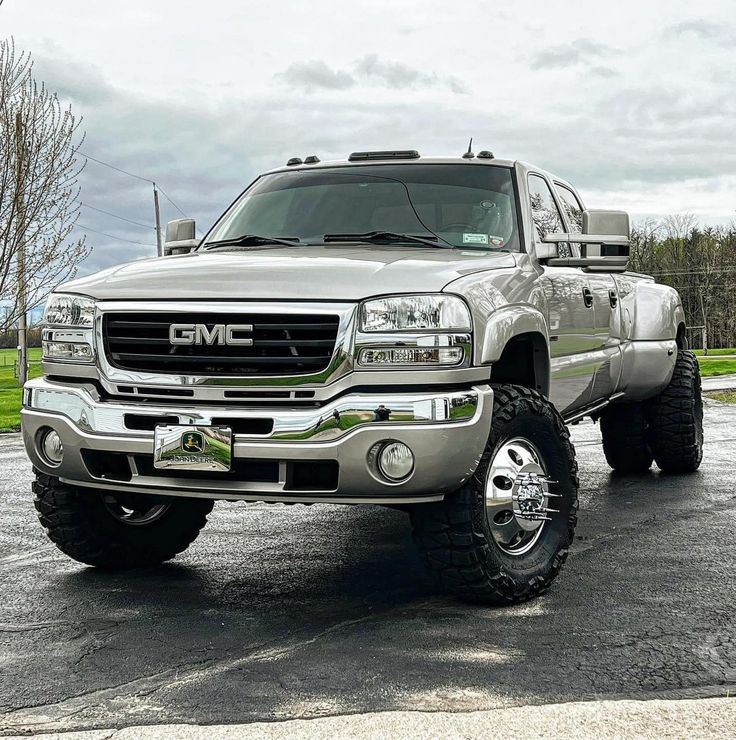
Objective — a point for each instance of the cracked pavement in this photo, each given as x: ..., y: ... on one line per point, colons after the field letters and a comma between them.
x: 278, y: 612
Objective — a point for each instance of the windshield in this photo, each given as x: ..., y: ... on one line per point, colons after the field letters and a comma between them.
x: 469, y: 206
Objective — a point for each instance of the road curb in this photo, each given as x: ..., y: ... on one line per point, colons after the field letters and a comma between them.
x: 656, y: 719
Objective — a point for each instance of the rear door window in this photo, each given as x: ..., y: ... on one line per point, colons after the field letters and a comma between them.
x: 572, y: 207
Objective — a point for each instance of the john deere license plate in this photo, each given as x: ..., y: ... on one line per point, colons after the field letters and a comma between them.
x: 193, y: 448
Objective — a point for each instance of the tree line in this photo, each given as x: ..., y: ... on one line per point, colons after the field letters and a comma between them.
x: 700, y: 262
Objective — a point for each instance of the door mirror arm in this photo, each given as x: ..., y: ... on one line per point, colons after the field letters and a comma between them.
x: 604, y: 243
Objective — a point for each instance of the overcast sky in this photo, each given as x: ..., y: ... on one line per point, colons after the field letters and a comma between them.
x: 634, y: 101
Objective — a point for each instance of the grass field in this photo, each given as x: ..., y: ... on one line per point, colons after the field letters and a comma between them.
x: 710, y: 367
x: 716, y: 352
x: 10, y: 396
x: 10, y: 400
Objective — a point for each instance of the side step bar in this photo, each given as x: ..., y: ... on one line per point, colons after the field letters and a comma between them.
x: 576, y: 416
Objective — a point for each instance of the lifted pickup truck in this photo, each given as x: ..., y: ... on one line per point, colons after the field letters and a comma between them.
x: 390, y: 329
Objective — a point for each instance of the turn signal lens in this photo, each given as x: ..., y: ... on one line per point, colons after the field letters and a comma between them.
x: 412, y: 356
x: 68, y: 351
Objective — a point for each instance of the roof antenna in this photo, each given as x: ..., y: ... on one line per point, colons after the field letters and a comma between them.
x: 469, y: 154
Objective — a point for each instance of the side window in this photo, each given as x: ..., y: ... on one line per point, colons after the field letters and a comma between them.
x: 573, y: 209
x: 545, y: 213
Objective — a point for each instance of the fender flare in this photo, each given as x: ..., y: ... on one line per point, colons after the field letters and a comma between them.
x: 507, y: 323
x: 657, y: 313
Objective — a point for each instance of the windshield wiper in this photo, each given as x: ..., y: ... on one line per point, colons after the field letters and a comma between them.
x: 252, y: 240
x: 387, y: 236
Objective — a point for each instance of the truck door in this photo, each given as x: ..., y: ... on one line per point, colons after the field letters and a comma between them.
x: 574, y: 344
x: 606, y: 309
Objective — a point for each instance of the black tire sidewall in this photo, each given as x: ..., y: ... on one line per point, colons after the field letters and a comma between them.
x: 79, y: 523
x: 541, y: 431
x: 153, y: 536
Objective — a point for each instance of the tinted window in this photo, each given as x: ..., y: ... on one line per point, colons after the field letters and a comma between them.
x: 469, y: 206
x: 573, y: 209
x: 544, y: 209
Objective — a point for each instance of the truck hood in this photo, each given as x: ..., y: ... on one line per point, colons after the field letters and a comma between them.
x: 330, y: 272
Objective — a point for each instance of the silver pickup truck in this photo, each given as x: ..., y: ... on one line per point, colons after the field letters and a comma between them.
x: 390, y: 329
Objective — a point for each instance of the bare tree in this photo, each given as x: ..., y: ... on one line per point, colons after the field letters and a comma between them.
x: 39, y: 187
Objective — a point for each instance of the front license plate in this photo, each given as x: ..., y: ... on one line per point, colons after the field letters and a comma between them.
x: 193, y: 448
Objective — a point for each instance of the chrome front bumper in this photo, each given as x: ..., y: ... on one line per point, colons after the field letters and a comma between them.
x: 447, y: 431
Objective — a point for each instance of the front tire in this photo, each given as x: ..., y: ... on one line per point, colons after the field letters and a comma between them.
x: 117, y: 532
x: 475, y: 542
x: 676, y: 418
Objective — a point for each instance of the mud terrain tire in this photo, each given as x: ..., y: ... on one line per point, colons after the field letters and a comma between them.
x: 454, y: 535
x: 78, y: 521
x: 676, y: 419
x: 625, y: 435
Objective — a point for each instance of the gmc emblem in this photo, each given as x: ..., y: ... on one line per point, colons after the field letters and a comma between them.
x: 214, y: 334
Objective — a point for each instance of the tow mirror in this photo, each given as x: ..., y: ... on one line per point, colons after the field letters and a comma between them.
x: 604, y: 243
x: 181, y: 236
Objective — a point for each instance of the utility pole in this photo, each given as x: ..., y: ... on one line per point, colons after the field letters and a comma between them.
x: 21, y: 256
x: 157, y: 210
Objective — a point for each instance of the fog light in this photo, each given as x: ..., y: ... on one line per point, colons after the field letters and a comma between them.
x: 396, y: 461
x: 52, y: 448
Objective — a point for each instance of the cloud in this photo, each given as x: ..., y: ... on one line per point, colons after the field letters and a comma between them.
x: 397, y: 75
x: 368, y: 71
x: 581, y: 51
x: 79, y: 83
x: 315, y: 74
x: 602, y: 71
x: 704, y: 30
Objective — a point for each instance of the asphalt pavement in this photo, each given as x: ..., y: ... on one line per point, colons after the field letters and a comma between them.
x: 282, y: 612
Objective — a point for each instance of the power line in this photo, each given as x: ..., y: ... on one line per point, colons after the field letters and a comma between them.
x: 163, y: 192
x: 137, y: 177
x: 113, y: 167
x: 111, y: 236
x: 122, y: 218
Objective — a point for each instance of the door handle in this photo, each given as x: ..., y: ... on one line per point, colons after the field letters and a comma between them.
x: 588, y: 297
x: 613, y: 298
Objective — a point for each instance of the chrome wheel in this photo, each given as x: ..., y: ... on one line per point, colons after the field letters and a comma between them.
x: 134, y: 512
x: 517, y: 496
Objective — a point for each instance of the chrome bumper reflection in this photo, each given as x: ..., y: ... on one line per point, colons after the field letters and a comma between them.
x: 327, y: 423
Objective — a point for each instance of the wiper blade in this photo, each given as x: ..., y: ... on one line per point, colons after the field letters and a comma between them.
x: 253, y: 239
x: 387, y: 236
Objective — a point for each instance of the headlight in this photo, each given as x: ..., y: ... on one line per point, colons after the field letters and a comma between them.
x: 421, y: 331
x: 69, y: 310
x: 68, y: 335
x: 415, y: 313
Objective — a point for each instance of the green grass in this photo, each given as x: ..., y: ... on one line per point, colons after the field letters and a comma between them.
x: 712, y: 367
x: 716, y: 352
x: 10, y: 395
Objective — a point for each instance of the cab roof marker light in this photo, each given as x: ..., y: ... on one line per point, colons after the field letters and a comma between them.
x: 393, y: 154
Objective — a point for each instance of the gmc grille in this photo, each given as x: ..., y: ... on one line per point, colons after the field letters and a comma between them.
x: 283, y: 344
